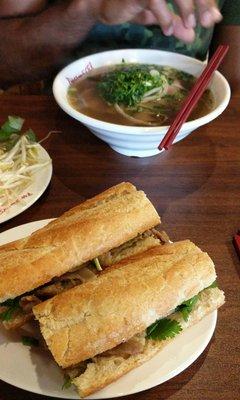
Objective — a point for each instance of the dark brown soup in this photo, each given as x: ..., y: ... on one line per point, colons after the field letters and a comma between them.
x: 136, y: 94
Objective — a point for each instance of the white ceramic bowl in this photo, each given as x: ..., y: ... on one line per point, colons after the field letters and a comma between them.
x: 135, y: 140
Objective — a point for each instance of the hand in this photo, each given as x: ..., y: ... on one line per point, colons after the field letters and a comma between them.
x: 148, y: 12
x: 14, y: 8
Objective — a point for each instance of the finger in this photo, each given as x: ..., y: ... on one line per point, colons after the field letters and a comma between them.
x: 187, y: 35
x: 120, y: 11
x: 146, y: 17
x: 186, y: 10
x: 208, y: 12
x: 163, y: 15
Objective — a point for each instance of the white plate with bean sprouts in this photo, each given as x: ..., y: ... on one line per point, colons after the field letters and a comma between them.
x: 25, y: 172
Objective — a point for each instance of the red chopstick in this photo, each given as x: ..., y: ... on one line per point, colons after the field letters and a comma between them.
x: 194, y: 96
x: 236, y: 243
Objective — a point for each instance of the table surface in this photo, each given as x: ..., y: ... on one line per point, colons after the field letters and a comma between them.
x: 196, y: 189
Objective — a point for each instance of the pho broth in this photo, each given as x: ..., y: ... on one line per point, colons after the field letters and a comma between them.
x: 136, y: 94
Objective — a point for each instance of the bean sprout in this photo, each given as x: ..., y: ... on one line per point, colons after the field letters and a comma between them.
x: 17, y: 167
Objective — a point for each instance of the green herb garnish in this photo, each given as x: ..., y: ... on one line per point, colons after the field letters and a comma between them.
x: 186, y: 307
x: 12, y: 125
x: 12, y: 306
x: 127, y: 84
x: 67, y: 383
x: 10, y: 132
x: 97, y: 264
x: 163, y: 329
x: 30, y: 341
x: 213, y: 285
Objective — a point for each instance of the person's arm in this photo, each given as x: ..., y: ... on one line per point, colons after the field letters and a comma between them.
x: 13, y: 8
x: 31, y: 47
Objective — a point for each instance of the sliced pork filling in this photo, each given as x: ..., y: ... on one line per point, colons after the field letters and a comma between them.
x: 183, y: 316
x: 15, y: 313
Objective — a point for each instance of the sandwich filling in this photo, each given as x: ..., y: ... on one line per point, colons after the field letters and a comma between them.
x: 16, y: 312
x: 143, y: 346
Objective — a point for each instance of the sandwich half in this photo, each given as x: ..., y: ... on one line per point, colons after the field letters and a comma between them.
x: 104, y: 328
x: 99, y: 231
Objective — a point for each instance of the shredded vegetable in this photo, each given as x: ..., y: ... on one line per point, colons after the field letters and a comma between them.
x: 97, y: 264
x: 19, y: 160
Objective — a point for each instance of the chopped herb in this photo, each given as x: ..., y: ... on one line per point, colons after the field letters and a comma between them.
x: 186, y: 307
x: 67, y: 383
x: 10, y: 132
x: 12, y: 306
x: 163, y: 329
x: 97, y: 264
x: 213, y: 285
x: 12, y: 125
x: 127, y: 84
x: 30, y: 341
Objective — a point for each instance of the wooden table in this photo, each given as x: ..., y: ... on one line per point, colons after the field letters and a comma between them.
x: 196, y: 189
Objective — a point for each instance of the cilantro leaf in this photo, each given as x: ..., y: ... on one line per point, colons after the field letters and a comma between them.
x: 67, y: 383
x: 127, y: 84
x: 4, y: 136
x: 213, y: 285
x: 12, y: 305
x: 29, y: 341
x: 10, y: 132
x: 186, y: 307
x: 12, y: 125
x: 163, y: 329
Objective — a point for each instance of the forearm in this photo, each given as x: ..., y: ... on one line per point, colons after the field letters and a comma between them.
x: 32, y: 47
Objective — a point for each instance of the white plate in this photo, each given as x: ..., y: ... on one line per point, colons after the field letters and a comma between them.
x: 36, y: 372
x: 40, y: 181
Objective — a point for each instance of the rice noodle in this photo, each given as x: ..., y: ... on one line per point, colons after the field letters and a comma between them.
x: 130, y: 118
x: 150, y: 99
x: 159, y: 90
x: 178, y: 86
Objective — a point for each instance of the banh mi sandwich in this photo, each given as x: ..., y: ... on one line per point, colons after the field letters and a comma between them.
x: 99, y: 231
x: 102, y: 329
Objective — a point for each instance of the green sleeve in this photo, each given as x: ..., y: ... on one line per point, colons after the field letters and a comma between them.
x: 231, y: 12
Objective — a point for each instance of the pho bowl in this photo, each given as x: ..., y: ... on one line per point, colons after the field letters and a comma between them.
x: 139, y: 141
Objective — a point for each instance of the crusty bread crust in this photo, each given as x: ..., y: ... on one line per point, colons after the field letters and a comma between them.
x: 98, y: 315
x: 134, y: 246
x: 81, y: 234
x: 105, y: 370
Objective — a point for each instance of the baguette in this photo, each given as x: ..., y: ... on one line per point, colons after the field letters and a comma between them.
x: 79, y: 235
x: 105, y: 370
x: 122, y: 302
x: 84, y: 273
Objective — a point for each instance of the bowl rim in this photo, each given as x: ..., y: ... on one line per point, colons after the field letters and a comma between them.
x: 130, y: 129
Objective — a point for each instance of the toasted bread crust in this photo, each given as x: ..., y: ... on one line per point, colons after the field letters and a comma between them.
x: 122, y: 302
x: 81, y: 234
x: 105, y: 370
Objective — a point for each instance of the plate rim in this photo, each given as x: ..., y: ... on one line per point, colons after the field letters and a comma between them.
x: 36, y: 196
x: 71, y: 395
